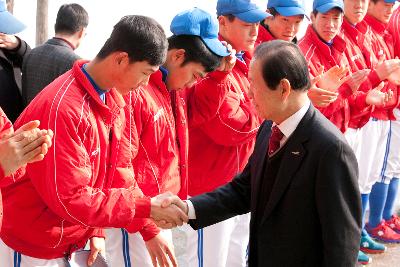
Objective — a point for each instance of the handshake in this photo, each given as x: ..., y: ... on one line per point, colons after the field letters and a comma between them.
x: 168, y: 211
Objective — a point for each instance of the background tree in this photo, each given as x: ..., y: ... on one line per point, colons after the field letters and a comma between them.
x: 42, y: 10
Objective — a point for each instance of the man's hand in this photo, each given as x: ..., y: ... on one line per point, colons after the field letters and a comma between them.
x: 161, y: 252
x: 394, y: 77
x: 332, y: 79
x: 378, y: 98
x: 228, y: 62
x: 26, y: 145
x: 8, y: 42
x: 386, y: 67
x: 97, y: 245
x: 355, y: 79
x: 163, y: 210
x: 320, y: 97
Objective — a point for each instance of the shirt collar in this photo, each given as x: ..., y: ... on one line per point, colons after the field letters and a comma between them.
x: 66, y: 41
x: 289, y: 125
x: 164, y: 73
x: 101, y: 92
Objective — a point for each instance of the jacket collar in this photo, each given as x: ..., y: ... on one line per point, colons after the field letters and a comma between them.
x: 338, y: 43
x: 61, y: 42
x: 375, y: 24
x: 356, y: 33
x: 114, y: 100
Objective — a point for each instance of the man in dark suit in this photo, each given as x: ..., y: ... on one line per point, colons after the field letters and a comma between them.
x: 48, y: 61
x: 300, y: 183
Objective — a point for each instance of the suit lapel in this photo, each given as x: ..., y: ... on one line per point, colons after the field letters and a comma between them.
x: 261, y: 152
x: 291, y: 161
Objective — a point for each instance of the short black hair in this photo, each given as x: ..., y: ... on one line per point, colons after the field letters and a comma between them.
x: 283, y: 60
x: 71, y: 18
x: 195, y: 51
x: 141, y: 37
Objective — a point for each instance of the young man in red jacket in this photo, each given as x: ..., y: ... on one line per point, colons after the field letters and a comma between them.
x: 222, y: 129
x: 158, y: 112
x: 325, y: 49
x: 85, y: 183
x: 285, y: 22
x: 359, y: 52
x: 384, y: 229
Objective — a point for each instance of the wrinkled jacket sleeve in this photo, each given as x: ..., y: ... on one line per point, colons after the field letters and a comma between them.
x: 65, y: 182
x: 229, y: 118
x: 17, y: 55
x: 7, y: 128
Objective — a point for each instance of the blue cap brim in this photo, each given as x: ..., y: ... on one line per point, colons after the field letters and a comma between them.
x: 290, y: 11
x: 390, y: 1
x: 9, y: 24
x: 325, y: 8
x: 216, y: 46
x: 252, y: 16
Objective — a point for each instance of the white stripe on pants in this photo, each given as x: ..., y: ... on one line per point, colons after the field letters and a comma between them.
x: 220, y: 245
x: 369, y: 146
x: 129, y: 250
x: 391, y: 168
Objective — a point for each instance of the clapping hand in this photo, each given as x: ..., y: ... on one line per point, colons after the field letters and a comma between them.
x: 26, y: 145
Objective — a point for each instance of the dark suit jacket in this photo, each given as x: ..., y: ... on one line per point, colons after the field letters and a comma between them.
x: 10, y: 79
x: 44, y: 64
x: 313, y: 215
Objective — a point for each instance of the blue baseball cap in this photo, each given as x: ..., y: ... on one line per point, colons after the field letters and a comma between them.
x: 391, y: 1
x: 199, y: 23
x: 242, y: 9
x: 288, y: 8
x: 8, y: 23
x: 323, y: 6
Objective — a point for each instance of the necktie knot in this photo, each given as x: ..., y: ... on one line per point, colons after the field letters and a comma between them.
x: 274, y: 140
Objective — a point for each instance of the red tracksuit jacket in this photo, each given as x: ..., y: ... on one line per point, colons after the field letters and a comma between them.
x: 84, y: 183
x: 222, y: 128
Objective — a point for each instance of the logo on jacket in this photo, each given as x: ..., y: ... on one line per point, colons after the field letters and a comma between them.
x: 158, y: 114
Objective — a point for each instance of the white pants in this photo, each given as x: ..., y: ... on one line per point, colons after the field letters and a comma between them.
x: 220, y: 245
x: 129, y: 250
x: 11, y: 258
x: 391, y: 167
x: 370, y: 147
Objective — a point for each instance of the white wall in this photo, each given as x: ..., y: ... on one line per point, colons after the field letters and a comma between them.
x: 104, y: 14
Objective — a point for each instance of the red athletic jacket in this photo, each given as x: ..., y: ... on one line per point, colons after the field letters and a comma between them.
x: 318, y: 54
x: 83, y: 183
x: 359, y: 55
x: 394, y: 29
x: 222, y: 128
x: 382, y: 45
x: 161, y: 159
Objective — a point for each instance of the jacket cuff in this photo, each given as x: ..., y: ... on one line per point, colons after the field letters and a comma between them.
x: 142, y: 207
x: 218, y: 75
x: 345, y: 91
x: 98, y: 232
x: 149, y: 231
x: 361, y: 101
x: 374, y: 78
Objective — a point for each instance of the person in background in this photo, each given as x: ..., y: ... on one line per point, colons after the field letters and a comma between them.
x: 13, y: 52
x: 222, y: 129
x: 46, y: 62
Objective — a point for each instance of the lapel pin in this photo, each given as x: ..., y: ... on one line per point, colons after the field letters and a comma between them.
x: 296, y: 153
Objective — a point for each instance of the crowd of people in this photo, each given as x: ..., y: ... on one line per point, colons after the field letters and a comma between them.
x: 261, y: 149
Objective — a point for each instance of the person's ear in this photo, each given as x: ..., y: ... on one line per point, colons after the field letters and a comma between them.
x: 222, y: 21
x: 178, y: 56
x: 121, y: 58
x: 286, y: 88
